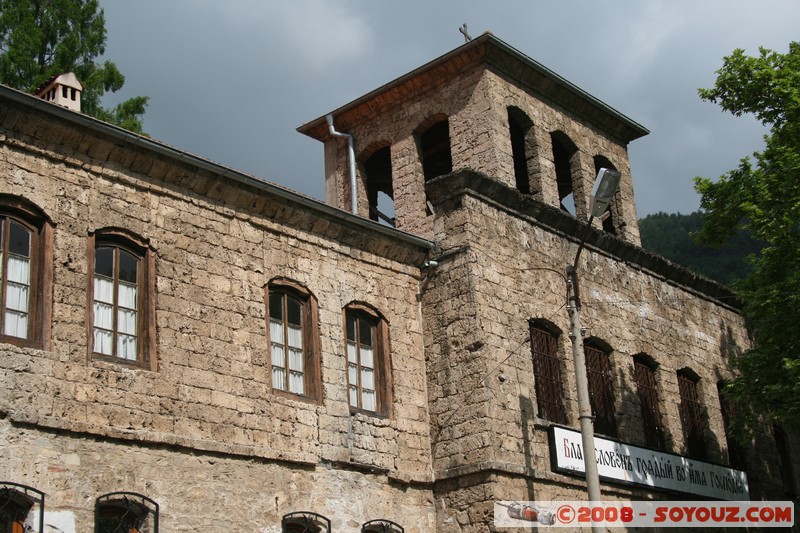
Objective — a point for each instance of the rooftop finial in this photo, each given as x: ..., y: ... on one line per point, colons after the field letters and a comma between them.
x: 463, y: 29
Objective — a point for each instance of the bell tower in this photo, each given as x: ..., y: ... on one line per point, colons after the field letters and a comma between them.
x: 484, y: 107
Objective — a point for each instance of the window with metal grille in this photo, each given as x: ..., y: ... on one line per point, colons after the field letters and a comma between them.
x: 547, y: 373
x: 735, y: 449
x: 125, y: 512
x: 691, y: 411
x: 601, y: 389
x: 368, y: 367
x: 21, y: 508
x: 292, y: 338
x: 122, y: 289
x: 305, y: 522
x: 25, y: 273
x: 381, y: 526
x: 652, y: 422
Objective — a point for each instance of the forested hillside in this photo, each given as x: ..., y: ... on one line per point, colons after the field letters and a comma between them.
x: 670, y: 235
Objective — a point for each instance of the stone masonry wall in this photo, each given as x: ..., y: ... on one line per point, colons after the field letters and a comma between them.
x: 512, y: 266
x: 217, y: 242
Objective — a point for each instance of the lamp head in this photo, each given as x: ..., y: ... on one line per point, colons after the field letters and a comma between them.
x: 605, y: 186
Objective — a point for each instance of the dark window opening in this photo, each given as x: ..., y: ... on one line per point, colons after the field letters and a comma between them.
x: 16, y: 504
x: 519, y: 126
x: 735, y: 450
x: 547, y: 373
x: 691, y: 412
x: 435, y: 149
x: 381, y: 526
x: 305, y: 522
x: 125, y: 512
x: 646, y: 390
x: 601, y: 389
x: 380, y: 196
x: 785, y: 462
x: 64, y: 91
x: 563, y: 151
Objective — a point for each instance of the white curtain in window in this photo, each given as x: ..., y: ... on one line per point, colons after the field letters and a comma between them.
x: 278, y: 354
x: 296, y: 363
x: 103, y: 316
x: 17, y: 291
x: 368, y: 400
x: 353, y: 396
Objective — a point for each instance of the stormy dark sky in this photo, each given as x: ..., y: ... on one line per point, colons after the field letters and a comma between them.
x: 231, y: 81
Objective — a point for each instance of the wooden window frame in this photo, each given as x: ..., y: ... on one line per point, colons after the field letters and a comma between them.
x: 601, y: 387
x: 547, y: 372
x: 40, y: 300
x: 146, y: 348
x: 311, y: 343
x: 381, y: 358
x: 644, y: 375
x: 690, y: 410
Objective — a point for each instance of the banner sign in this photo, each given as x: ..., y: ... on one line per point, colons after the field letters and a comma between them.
x: 646, y: 467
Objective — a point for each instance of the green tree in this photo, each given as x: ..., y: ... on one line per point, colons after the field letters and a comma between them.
x: 764, y: 196
x: 43, y: 38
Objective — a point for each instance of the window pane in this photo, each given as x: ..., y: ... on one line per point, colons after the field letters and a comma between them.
x: 276, y: 331
x: 19, y: 241
x: 296, y: 360
x: 103, y: 316
x: 128, y: 267
x: 354, y: 396
x: 368, y: 400
x: 296, y: 383
x: 103, y: 341
x: 16, y: 324
x: 295, y: 337
x: 367, y: 379
x: 278, y: 355
x: 366, y: 357
x: 352, y: 353
x: 278, y: 378
x: 103, y: 291
x: 126, y: 321
x: 352, y: 374
x: 127, y: 296
x: 293, y: 308
x: 365, y: 333
x: 351, y: 329
x: 19, y: 269
x: 276, y: 306
x: 17, y: 297
x: 104, y: 262
x: 126, y: 347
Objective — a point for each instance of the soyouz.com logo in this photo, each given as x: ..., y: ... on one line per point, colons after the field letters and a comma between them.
x: 644, y: 514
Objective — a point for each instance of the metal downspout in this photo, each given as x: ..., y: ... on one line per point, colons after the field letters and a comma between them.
x: 351, y: 156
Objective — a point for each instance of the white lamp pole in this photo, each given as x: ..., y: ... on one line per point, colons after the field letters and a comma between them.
x: 603, y: 193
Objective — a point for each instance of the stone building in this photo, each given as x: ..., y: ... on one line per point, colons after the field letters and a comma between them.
x: 186, y: 347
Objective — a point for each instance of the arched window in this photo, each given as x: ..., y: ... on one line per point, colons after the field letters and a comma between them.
x: 522, y: 147
x: 19, y: 506
x: 601, y: 386
x: 691, y: 411
x: 381, y: 526
x: 380, y: 195
x: 547, y: 372
x: 565, y: 162
x: 293, y: 338
x: 125, y: 512
x: 25, y: 272
x: 644, y: 373
x: 305, y: 522
x: 368, y: 367
x: 611, y: 221
x: 122, y: 289
x: 434, y: 146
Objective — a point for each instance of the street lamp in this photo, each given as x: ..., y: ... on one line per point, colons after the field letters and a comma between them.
x: 605, y: 186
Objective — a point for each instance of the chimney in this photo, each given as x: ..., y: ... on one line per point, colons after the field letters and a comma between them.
x: 64, y: 90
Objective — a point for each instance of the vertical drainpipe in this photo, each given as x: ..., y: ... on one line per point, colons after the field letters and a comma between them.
x: 351, y: 157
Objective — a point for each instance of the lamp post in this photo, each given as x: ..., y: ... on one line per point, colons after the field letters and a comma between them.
x: 605, y: 186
